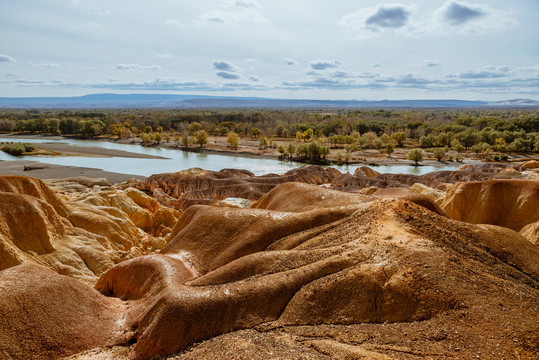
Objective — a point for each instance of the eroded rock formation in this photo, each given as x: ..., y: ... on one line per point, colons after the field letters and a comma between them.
x: 508, y: 203
x: 80, y: 236
x: 196, y: 186
x: 289, y: 264
x: 306, y: 273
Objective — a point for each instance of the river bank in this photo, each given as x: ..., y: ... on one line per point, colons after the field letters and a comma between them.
x: 126, y: 156
x: 44, y: 171
x: 248, y: 148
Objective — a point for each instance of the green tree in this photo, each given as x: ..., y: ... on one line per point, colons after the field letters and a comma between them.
x: 416, y: 155
x: 442, y: 139
x: 457, y: 146
x: 389, y: 149
x: 281, y: 150
x: 439, y: 153
x: 186, y: 140
x: 427, y: 141
x: 291, y: 149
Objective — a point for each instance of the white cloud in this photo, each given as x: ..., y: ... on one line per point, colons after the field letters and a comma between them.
x: 49, y: 66
x: 458, y: 17
x: 453, y: 17
x: 290, y: 62
x: 137, y: 67
x: 223, y: 65
x: 490, y: 72
x: 164, y: 56
x: 238, y: 4
x: 373, y: 20
x: 324, y: 64
x: 234, y: 11
x: 457, y: 13
x: 88, y: 8
x: 431, y: 63
x: 6, y: 58
x: 227, y: 75
x: 175, y: 23
x: 533, y: 68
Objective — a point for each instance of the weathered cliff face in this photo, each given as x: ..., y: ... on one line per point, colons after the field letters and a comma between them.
x: 81, y: 237
x: 508, y: 203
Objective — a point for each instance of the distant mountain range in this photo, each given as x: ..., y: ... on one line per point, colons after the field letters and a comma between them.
x: 156, y: 101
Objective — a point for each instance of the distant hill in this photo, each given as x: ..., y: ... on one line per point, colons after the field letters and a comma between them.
x: 130, y: 101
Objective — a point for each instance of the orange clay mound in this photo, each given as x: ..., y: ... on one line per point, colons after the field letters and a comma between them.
x: 196, y: 186
x: 407, y: 194
x: 352, y: 278
x: 46, y: 316
x: 508, y: 203
x: 361, y: 180
x: 297, y: 197
x: 82, y: 237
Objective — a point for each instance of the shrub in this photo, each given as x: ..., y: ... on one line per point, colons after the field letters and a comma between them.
x: 17, y: 149
x: 439, y: 153
x: 416, y: 155
x: 389, y: 149
x: 312, y: 151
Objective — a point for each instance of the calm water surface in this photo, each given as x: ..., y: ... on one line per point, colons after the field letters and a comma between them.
x: 181, y: 160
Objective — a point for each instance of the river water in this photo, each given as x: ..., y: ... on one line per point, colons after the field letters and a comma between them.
x: 181, y: 160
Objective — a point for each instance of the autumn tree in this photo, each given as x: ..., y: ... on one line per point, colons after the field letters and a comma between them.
x: 233, y: 140
x: 399, y: 138
x: 201, y: 137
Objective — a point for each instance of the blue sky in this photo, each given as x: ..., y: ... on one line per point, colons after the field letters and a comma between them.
x: 366, y: 50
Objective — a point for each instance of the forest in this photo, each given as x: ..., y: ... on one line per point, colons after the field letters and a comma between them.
x: 485, y: 132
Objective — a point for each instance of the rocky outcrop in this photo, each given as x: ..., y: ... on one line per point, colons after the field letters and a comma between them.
x: 436, y: 195
x: 531, y: 164
x: 196, y: 186
x: 366, y: 171
x: 81, y: 237
x: 531, y: 232
x: 508, y: 203
x: 409, y: 195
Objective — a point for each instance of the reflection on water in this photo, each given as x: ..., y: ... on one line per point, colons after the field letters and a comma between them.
x: 181, y: 160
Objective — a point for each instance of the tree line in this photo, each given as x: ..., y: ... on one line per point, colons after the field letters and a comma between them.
x: 481, y: 131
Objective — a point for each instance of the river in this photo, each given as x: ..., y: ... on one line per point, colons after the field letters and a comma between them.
x: 177, y: 160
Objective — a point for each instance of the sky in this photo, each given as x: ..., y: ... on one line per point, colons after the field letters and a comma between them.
x: 298, y: 49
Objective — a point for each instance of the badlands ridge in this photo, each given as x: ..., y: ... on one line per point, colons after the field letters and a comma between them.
x: 312, y: 264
